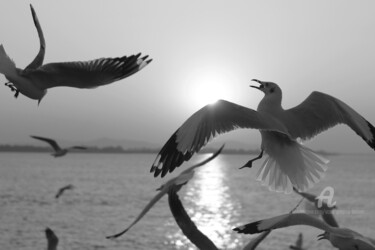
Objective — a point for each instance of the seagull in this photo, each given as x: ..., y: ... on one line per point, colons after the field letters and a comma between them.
x: 176, y: 183
x: 288, y: 162
x: 324, y: 210
x: 52, y: 239
x: 63, y: 189
x: 58, y: 151
x: 36, y: 78
x: 342, y: 238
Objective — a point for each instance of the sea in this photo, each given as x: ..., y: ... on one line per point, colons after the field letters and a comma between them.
x: 110, y: 190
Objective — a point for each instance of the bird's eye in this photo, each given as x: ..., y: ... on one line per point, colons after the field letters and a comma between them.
x: 272, y: 90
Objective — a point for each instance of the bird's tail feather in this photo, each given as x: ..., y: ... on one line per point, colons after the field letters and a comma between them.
x: 292, y: 165
x: 7, y: 66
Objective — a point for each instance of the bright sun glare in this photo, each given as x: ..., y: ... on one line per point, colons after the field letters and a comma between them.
x: 207, y: 90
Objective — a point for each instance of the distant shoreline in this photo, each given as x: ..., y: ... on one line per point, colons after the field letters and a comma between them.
x: 120, y: 150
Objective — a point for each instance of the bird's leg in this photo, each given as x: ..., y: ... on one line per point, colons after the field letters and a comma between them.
x: 249, y: 164
x: 12, y: 88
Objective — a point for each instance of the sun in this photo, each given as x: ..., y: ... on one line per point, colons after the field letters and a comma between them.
x: 207, y: 90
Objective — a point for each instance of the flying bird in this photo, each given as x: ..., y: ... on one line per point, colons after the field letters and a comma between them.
x: 176, y: 183
x: 324, y: 209
x: 36, y: 78
x: 63, y: 189
x: 342, y: 238
x: 288, y: 162
x: 58, y: 150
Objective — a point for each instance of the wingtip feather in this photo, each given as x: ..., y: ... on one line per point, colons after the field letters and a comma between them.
x: 251, y: 228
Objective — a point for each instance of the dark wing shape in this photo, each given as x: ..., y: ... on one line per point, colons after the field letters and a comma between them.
x: 282, y: 221
x: 187, y: 226
x: 320, y: 112
x: 175, y: 183
x: 206, y: 123
x: 38, y: 60
x: 63, y: 189
x: 89, y: 74
x: 51, y: 142
x: 52, y: 240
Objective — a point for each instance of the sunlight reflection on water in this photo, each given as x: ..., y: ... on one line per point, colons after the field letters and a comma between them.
x: 208, y: 202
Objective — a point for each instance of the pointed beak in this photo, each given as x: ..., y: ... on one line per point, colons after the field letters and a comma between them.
x: 323, y: 236
x: 257, y: 87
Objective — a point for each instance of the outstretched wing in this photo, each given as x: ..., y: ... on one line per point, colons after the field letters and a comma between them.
x: 319, y: 112
x: 89, y: 74
x: 51, y: 142
x: 38, y: 60
x: 175, y: 182
x: 282, y: 221
x: 206, y: 123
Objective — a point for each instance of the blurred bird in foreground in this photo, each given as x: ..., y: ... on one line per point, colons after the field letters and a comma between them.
x: 342, y: 238
x: 314, y: 207
x: 58, y: 150
x: 52, y: 239
x: 36, y: 78
x: 176, y: 183
x: 288, y: 163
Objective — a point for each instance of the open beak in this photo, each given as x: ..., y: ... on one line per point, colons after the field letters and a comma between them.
x: 257, y: 87
x: 323, y: 236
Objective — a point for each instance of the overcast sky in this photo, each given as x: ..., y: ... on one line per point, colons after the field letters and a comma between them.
x: 198, y: 47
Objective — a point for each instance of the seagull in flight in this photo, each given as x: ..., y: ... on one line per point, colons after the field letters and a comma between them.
x: 176, y: 183
x: 288, y: 162
x: 324, y: 210
x: 342, y: 238
x: 36, y: 78
x: 63, y: 189
x: 58, y: 150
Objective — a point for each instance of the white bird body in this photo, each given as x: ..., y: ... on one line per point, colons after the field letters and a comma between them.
x: 36, y: 78
x: 342, y: 238
x: 288, y: 163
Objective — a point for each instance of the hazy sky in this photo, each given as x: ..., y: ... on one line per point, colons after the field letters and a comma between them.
x: 198, y: 47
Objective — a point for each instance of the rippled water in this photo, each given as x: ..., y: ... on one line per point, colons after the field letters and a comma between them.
x: 111, y: 189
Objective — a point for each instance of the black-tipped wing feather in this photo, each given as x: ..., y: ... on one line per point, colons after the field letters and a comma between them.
x: 51, y: 142
x: 320, y: 112
x: 38, y: 60
x: 89, y: 74
x: 206, y: 123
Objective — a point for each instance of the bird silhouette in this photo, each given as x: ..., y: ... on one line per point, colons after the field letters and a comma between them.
x: 36, y: 78
x: 288, y: 162
x: 63, y: 189
x: 342, y: 238
x: 323, y: 210
x: 58, y: 150
x: 176, y: 183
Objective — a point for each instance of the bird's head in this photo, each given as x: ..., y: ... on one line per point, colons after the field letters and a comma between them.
x: 323, y: 236
x: 268, y: 88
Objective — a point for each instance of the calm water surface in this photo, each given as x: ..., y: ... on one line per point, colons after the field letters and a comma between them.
x: 111, y: 189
